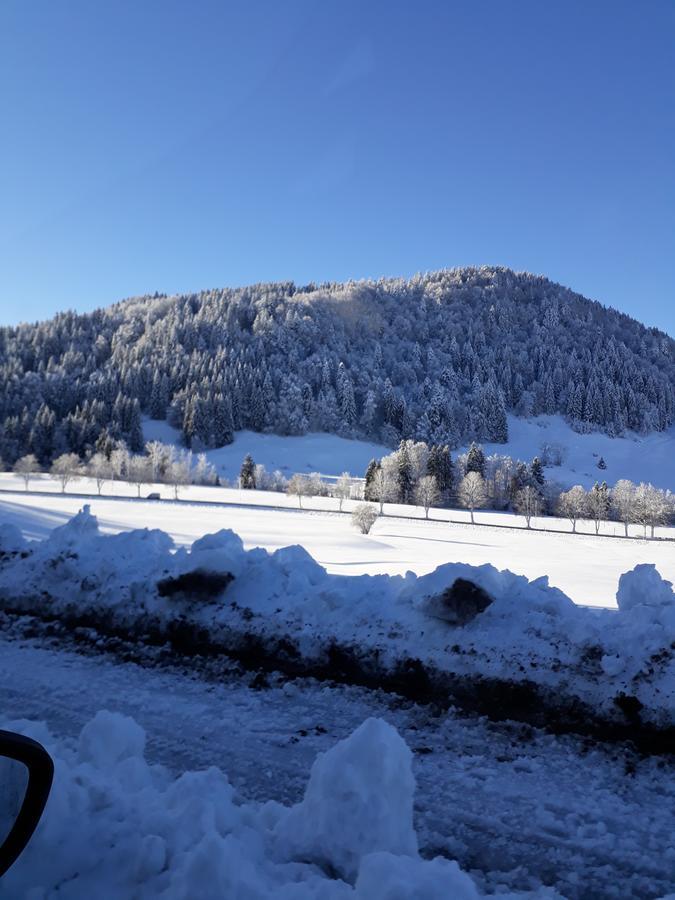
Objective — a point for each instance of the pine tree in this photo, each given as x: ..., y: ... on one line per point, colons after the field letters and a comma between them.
x: 247, y: 473
x: 475, y: 460
x: 537, y: 472
x: 373, y: 467
x: 405, y: 474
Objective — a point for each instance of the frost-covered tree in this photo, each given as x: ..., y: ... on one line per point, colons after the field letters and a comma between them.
x: 572, y: 504
x: 139, y: 472
x: 651, y: 507
x: 598, y: 504
x: 471, y: 493
x: 384, y: 487
x: 119, y: 462
x: 26, y: 467
x: 300, y: 486
x: 529, y: 503
x: 178, y: 474
x: 622, y: 498
x: 343, y: 488
x: 99, y: 468
x: 427, y: 493
x: 364, y: 517
x: 204, y: 472
x: 65, y: 468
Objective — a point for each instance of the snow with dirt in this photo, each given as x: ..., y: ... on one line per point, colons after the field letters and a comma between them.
x: 530, y: 632
x: 113, y: 820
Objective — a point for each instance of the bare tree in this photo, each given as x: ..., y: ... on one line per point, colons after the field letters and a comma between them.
x: 139, y: 472
x: 572, y: 504
x: 26, y: 467
x: 427, y: 493
x: 364, y: 517
x: 299, y: 486
x: 343, y: 488
x: 100, y: 468
x: 65, y: 468
x: 622, y: 501
x: 472, y: 493
x: 528, y: 502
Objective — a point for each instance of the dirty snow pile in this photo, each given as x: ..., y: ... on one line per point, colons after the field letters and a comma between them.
x: 116, y: 824
x: 499, y: 625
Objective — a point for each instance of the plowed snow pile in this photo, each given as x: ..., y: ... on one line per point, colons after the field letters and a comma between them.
x: 115, y: 824
x: 467, y: 622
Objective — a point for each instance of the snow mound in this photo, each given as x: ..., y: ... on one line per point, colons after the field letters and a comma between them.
x: 11, y: 539
x: 643, y: 586
x: 528, y: 632
x: 359, y: 800
x: 117, y: 825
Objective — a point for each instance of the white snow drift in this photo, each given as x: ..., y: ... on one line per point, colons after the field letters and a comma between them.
x: 530, y: 633
x: 116, y: 824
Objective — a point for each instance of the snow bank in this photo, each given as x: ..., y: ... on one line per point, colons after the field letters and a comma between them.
x: 116, y: 824
x: 530, y: 633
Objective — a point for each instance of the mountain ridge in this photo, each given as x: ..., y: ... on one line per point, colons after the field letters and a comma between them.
x: 440, y: 357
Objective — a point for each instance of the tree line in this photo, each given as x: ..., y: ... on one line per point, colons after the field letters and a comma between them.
x: 420, y: 475
x: 159, y: 464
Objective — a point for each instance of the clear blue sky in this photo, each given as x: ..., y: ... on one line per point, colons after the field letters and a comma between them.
x: 178, y: 146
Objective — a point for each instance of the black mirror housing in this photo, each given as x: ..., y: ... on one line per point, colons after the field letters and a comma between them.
x: 40, y: 775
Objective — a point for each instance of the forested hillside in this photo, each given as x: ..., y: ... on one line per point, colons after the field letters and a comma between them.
x: 439, y: 357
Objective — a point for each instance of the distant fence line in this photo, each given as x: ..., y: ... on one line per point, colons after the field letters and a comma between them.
x: 155, y: 498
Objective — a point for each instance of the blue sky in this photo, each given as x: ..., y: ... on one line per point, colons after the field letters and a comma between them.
x: 178, y: 146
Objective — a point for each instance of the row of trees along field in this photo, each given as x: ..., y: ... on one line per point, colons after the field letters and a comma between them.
x: 425, y: 476
x: 415, y: 474
x: 160, y: 464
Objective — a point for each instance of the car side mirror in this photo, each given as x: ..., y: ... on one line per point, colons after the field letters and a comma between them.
x: 26, y: 773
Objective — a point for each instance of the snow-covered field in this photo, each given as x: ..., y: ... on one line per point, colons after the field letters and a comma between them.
x: 587, y: 568
x: 648, y: 458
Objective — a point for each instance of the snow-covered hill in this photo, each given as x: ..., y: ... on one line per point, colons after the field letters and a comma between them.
x: 649, y: 458
x: 440, y: 357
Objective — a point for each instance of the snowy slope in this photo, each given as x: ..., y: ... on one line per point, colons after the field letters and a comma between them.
x: 649, y: 458
x: 324, y: 453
